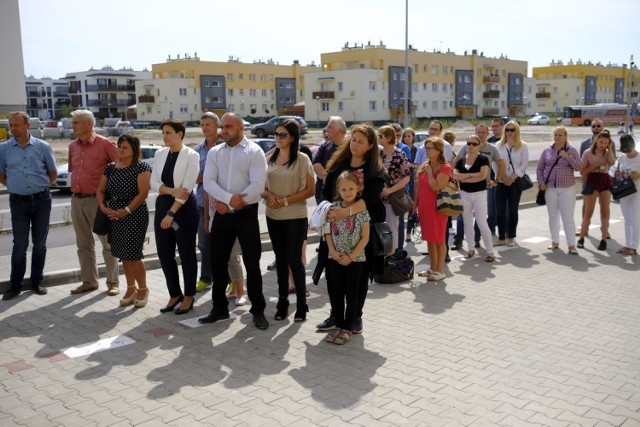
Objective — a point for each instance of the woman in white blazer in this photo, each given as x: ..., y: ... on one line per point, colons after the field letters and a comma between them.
x: 174, y: 177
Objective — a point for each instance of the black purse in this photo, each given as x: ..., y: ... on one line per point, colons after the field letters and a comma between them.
x: 382, y: 238
x: 540, y: 198
x: 400, y: 201
x: 523, y: 182
x: 101, y: 223
x: 622, y: 188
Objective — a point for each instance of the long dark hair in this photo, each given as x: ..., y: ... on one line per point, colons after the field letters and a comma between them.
x: 372, y: 158
x: 134, y: 142
x: 293, y: 129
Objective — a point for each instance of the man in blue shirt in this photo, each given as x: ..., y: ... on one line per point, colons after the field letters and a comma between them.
x: 27, y: 168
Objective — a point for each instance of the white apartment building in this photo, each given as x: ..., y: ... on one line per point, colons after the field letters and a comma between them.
x: 45, y: 97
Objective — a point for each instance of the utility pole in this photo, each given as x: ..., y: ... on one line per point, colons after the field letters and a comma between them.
x: 629, y: 97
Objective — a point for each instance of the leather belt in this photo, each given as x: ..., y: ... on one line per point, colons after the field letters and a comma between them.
x: 34, y: 196
x: 83, y: 196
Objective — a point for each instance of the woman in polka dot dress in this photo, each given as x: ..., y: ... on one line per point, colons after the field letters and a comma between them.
x: 127, y: 184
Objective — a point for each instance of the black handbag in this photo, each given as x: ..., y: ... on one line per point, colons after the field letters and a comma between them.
x: 622, y: 188
x: 400, y: 201
x: 101, y: 223
x: 397, y: 268
x: 540, y: 198
x: 524, y: 182
x: 382, y: 238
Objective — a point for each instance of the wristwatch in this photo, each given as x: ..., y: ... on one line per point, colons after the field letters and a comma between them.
x: 286, y: 202
x: 171, y: 213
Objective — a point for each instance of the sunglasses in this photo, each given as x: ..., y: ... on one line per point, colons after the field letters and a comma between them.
x: 280, y: 135
x: 509, y: 129
x: 596, y: 126
x: 475, y: 144
x: 426, y: 147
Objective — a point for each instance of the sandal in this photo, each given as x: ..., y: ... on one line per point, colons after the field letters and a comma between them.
x: 342, y: 337
x: 301, y: 313
x: 282, y: 309
x: 436, y: 276
x: 331, y: 336
x: 425, y: 273
x: 622, y: 250
x: 490, y: 258
x: 629, y: 252
x: 470, y: 254
x: 573, y: 250
x: 553, y: 245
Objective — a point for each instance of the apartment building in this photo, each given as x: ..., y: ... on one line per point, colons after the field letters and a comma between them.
x: 562, y: 84
x: 367, y: 82
x: 12, y: 96
x: 46, y: 96
x: 185, y: 87
x: 106, y: 92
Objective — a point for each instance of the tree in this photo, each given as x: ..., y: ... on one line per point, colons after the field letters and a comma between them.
x: 66, y: 110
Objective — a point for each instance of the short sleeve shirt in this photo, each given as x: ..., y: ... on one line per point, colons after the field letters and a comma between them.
x: 347, y: 232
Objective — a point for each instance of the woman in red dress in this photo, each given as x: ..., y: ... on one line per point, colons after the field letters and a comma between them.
x: 432, y: 176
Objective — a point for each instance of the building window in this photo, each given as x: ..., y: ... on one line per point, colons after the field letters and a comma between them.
x: 230, y: 92
x: 434, y: 69
x: 252, y: 92
x: 425, y: 104
x: 434, y: 105
x: 324, y: 87
x: 425, y: 67
x: 263, y: 77
x: 184, y: 108
x: 372, y: 105
x: 230, y: 77
x: 264, y: 107
x: 241, y: 92
x: 242, y: 106
x: 340, y: 106
x: 425, y: 86
x: 340, y: 86
x: 372, y: 86
x: 444, y: 87
x: 325, y: 106
x: 149, y: 109
x: 252, y: 77
x: 254, y: 107
x: 445, y: 69
x: 444, y: 105
x: 240, y: 76
x: 434, y: 87
x: 207, y: 100
x: 264, y: 92
x: 206, y: 83
x: 230, y: 107
x: 395, y: 76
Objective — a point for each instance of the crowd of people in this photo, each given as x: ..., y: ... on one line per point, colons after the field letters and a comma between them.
x: 208, y: 198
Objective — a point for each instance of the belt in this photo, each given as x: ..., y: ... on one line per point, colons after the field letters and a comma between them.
x: 83, y: 196
x: 33, y: 196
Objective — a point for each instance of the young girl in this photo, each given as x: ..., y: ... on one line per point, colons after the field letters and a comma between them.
x: 346, y: 240
x: 596, y: 162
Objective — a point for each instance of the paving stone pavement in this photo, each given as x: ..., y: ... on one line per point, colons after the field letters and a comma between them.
x: 538, y: 337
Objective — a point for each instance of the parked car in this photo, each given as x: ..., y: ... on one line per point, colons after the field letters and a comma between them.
x: 539, y: 119
x: 420, y: 138
x: 265, y: 143
x: 63, y: 181
x: 268, y: 128
x: 507, y: 119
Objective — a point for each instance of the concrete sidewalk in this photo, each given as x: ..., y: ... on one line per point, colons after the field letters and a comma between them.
x: 538, y: 337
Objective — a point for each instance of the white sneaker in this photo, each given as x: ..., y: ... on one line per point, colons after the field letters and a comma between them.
x: 240, y: 301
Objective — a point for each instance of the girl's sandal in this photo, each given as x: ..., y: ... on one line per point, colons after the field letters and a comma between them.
x: 470, y: 254
x: 342, y: 337
x: 331, y: 336
x: 490, y: 258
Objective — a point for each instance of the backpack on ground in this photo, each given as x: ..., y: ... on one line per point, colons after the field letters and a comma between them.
x: 397, y: 268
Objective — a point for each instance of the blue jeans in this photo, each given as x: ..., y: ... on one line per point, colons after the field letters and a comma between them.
x: 507, y: 202
x: 29, y: 214
x: 203, y: 246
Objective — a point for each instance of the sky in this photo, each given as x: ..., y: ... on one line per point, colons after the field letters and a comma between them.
x: 64, y: 36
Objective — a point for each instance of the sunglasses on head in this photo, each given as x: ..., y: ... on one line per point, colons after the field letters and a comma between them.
x: 475, y: 144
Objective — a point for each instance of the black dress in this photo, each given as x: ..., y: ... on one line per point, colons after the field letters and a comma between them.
x: 127, y: 234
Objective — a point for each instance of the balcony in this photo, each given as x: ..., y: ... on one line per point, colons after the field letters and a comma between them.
x: 491, y: 94
x: 106, y: 103
x: 61, y: 93
x: 111, y: 88
x: 146, y: 98
x: 540, y: 95
x: 35, y: 94
x: 491, y: 79
x: 324, y: 95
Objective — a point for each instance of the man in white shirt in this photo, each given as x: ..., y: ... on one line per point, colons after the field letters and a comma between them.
x: 234, y: 176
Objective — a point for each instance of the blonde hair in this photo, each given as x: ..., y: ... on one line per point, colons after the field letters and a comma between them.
x: 517, y: 145
x: 388, y: 132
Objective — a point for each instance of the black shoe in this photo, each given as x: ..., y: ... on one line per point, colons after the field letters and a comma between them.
x: 186, y: 310
x: 603, y: 245
x: 260, y: 321
x: 214, y: 316
x: 272, y: 266
x: 10, y: 294
x: 447, y: 259
x: 282, y: 309
x: 39, y: 289
x: 169, y: 308
x: 477, y: 245
x: 328, y: 324
x: 425, y: 253
x: 301, y: 312
x: 456, y: 246
x: 581, y: 243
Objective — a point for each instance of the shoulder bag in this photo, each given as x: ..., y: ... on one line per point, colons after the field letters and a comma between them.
x: 449, y: 201
x: 382, y: 238
x: 622, y: 188
x: 523, y: 182
x: 400, y: 201
x: 540, y: 198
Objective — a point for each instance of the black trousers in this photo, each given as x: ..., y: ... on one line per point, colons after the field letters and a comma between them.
x: 225, y: 229
x: 287, y: 237
x: 346, y: 285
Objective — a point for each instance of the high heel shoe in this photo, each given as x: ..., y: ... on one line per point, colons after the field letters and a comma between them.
x: 301, y: 313
x: 139, y: 303
x: 129, y: 300
x: 282, y: 309
x: 186, y: 310
x: 169, y: 308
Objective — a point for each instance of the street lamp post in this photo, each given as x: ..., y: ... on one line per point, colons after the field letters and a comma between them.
x: 627, y: 124
x: 317, y: 111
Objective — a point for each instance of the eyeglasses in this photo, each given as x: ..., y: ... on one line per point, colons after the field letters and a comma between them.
x: 434, y: 129
x: 280, y: 135
x: 426, y: 147
x: 475, y: 144
x: 509, y: 129
x: 596, y: 126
